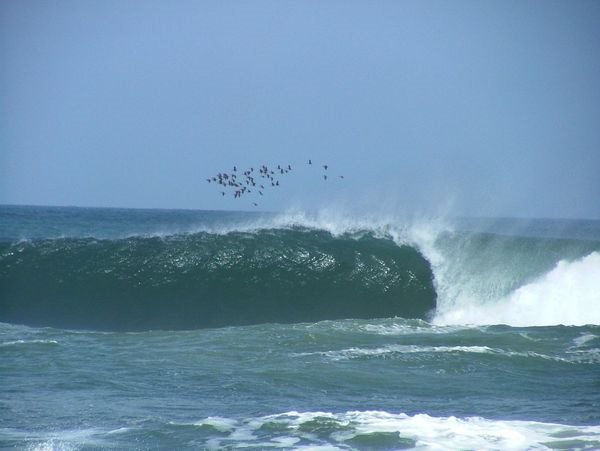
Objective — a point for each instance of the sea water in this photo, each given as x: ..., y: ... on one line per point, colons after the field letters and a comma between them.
x: 150, y: 329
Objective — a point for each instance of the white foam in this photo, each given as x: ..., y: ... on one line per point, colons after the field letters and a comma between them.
x: 219, y: 423
x: 391, y: 350
x: 28, y: 342
x: 353, y: 353
x: 332, y: 431
x: 569, y: 294
x: 583, y: 339
x: 66, y: 440
x: 52, y: 445
x: 409, y: 327
x: 427, y: 432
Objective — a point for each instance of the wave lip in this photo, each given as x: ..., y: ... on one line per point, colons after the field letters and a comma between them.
x: 212, y: 280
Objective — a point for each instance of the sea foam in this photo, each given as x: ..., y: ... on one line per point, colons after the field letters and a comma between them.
x: 569, y: 294
x: 385, y: 430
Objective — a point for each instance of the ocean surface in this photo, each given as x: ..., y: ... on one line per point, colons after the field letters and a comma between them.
x: 159, y: 329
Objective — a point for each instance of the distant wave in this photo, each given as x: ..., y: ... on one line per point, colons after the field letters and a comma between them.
x: 211, y: 279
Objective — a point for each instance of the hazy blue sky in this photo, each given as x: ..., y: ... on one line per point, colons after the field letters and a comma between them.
x: 479, y: 107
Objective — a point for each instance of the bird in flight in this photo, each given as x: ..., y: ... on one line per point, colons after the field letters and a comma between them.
x: 238, y: 182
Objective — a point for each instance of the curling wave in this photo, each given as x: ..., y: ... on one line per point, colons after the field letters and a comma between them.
x: 207, y: 279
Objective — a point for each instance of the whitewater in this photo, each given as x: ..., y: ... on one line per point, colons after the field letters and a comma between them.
x: 158, y: 329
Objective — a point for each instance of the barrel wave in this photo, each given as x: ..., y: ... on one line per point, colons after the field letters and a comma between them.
x: 203, y: 279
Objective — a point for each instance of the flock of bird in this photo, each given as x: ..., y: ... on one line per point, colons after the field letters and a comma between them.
x: 241, y: 183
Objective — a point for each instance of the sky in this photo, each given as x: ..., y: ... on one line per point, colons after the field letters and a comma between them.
x: 478, y: 108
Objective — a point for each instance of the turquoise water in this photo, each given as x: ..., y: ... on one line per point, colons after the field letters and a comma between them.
x: 457, y: 335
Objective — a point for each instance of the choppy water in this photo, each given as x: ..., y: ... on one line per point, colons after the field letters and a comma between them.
x: 478, y: 335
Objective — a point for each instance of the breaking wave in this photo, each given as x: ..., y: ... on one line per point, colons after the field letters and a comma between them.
x: 209, y: 280
x: 297, y: 267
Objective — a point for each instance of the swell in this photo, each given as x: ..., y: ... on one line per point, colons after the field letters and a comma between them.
x: 210, y: 280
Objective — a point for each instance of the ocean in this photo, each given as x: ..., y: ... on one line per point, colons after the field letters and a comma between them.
x: 178, y: 329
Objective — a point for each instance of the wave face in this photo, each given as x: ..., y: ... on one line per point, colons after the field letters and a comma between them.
x: 206, y: 279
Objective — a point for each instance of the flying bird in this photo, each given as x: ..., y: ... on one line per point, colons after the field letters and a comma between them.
x: 239, y: 187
